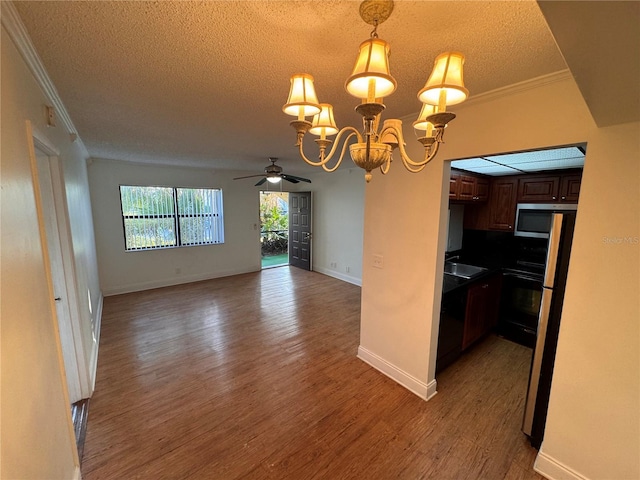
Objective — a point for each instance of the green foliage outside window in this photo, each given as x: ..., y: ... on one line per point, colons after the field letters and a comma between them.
x: 151, y: 219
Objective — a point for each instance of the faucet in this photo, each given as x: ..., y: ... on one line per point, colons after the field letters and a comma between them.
x: 453, y: 257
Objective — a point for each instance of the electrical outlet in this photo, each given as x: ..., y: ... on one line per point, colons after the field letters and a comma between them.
x: 377, y: 261
x: 348, y: 269
x: 334, y: 265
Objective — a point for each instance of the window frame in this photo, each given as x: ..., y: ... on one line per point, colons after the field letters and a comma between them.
x: 217, y: 217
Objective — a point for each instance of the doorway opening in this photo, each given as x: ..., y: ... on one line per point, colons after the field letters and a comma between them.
x: 274, y: 229
x: 503, y: 276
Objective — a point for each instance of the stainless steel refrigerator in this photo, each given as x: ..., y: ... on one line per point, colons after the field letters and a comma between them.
x: 555, y: 278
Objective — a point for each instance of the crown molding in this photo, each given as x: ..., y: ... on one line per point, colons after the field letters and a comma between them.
x: 516, y: 88
x: 12, y: 22
x: 509, y: 90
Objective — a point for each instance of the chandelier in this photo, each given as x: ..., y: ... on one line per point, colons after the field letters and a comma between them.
x: 371, y: 81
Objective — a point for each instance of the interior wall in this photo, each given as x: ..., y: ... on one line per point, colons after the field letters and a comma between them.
x: 36, y: 430
x: 338, y: 222
x: 399, y: 320
x: 593, y: 424
x: 122, y: 271
x: 402, y: 232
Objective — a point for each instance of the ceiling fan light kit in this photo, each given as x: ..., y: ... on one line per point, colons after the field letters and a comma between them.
x: 273, y: 174
x: 371, y: 81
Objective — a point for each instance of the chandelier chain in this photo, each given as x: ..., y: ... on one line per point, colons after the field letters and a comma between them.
x: 374, y: 32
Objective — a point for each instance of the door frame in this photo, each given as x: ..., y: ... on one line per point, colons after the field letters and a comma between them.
x: 76, y: 367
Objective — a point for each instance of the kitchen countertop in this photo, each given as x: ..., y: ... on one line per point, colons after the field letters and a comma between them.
x: 451, y: 282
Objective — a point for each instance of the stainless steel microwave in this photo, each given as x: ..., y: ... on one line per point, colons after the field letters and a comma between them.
x: 534, y: 219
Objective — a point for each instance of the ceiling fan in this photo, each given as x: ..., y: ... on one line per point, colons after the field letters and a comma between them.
x: 273, y: 174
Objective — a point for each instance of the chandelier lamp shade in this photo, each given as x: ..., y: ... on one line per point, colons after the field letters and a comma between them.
x: 371, y: 82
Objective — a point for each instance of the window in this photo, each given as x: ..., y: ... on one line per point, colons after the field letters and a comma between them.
x: 161, y: 217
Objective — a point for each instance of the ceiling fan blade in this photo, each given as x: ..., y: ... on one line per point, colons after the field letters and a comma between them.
x: 289, y: 179
x: 249, y: 176
x: 299, y: 179
x: 260, y: 182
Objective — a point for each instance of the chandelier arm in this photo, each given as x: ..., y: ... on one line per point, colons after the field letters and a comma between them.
x: 344, y: 148
x: 324, y: 159
x: 414, y: 169
x: 430, y: 153
x: 384, y: 168
x: 410, y: 165
x: 346, y: 140
x: 310, y: 162
x: 428, y: 156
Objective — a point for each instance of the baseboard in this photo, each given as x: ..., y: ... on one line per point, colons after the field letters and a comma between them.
x: 421, y: 389
x: 339, y: 275
x: 94, y: 353
x: 169, y: 282
x: 552, y: 469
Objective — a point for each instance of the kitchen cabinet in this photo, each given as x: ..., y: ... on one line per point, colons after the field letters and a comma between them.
x: 481, y: 312
x: 451, y: 329
x: 502, y: 204
x: 549, y: 188
x: 467, y: 313
x: 499, y: 213
x: 468, y: 188
x: 570, y: 187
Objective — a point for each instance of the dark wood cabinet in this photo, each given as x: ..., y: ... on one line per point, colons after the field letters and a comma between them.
x: 502, y: 204
x: 453, y: 186
x: 481, y: 313
x: 549, y: 188
x: 466, y: 315
x: 482, y: 189
x: 504, y: 194
x: 468, y: 188
x: 570, y: 187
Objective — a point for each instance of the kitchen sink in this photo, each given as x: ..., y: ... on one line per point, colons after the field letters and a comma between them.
x: 462, y: 270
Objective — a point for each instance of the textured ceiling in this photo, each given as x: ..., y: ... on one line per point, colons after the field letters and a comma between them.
x: 203, y: 83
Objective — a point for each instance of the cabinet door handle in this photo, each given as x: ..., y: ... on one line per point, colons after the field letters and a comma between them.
x: 564, y: 198
x: 486, y: 285
x: 554, y: 198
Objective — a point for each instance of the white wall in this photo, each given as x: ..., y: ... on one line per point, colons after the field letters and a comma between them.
x: 36, y: 430
x: 338, y: 200
x: 596, y: 434
x: 593, y: 425
x: 403, y: 226
x: 122, y: 271
x: 338, y: 222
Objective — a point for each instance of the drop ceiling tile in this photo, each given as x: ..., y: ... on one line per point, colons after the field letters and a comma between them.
x: 537, y: 156
x: 552, y: 164
x: 470, y: 163
x: 497, y: 170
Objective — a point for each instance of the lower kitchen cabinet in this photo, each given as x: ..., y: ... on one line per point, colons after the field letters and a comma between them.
x: 481, y: 312
x: 466, y: 315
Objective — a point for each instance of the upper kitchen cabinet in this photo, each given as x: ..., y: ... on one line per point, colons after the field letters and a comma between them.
x: 468, y: 188
x: 499, y: 212
x: 570, y: 187
x: 549, y: 188
x: 502, y: 206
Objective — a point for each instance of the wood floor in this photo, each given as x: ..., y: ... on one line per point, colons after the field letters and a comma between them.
x: 256, y: 377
